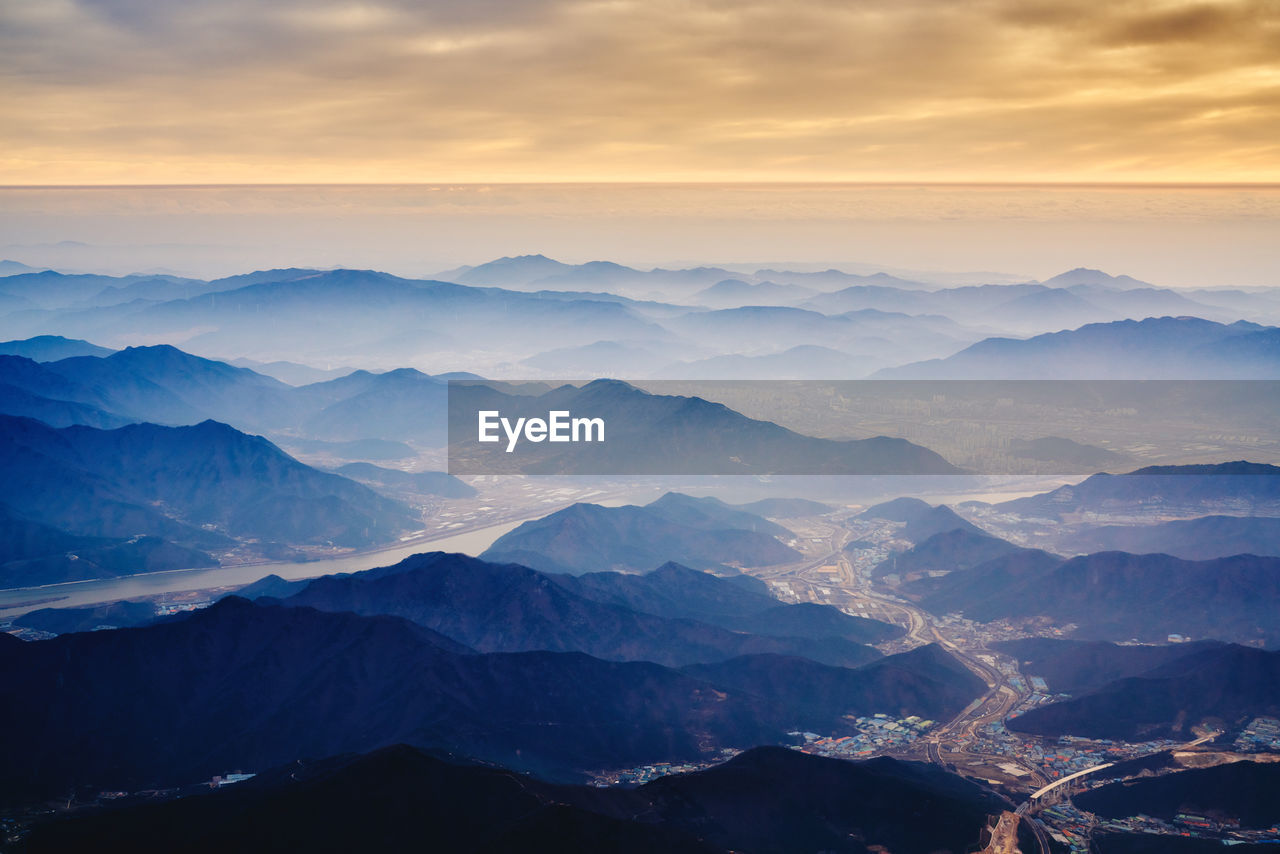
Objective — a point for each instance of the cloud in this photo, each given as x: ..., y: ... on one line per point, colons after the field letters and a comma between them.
x: 230, y: 90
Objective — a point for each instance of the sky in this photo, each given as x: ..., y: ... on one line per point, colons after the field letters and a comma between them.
x: 401, y: 91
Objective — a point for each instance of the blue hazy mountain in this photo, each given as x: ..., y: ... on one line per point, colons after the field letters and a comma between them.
x: 33, y: 554
x: 198, y: 486
x: 1092, y: 277
x: 1154, y: 348
x: 495, y: 607
x: 51, y: 348
x: 1193, y: 539
x: 921, y: 519
x: 785, y: 508
x: 601, y: 358
x: 1118, y: 596
x: 735, y: 292
x: 162, y: 384
x: 741, y: 603
x: 662, y: 434
x: 591, y: 538
x: 1237, y: 487
x: 947, y: 551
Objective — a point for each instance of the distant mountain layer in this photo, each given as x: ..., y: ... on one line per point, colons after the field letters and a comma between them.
x: 765, y: 800
x: 926, y: 677
x: 495, y: 607
x: 1194, y: 539
x: 1154, y: 348
x: 663, y: 434
x: 957, y: 549
x: 243, y: 685
x: 1248, y: 792
x: 32, y: 554
x: 1117, y: 596
x: 740, y: 603
x: 51, y: 348
x: 1225, y: 687
x: 1240, y: 487
x: 591, y: 538
x: 786, y: 508
x: 114, y: 615
x: 922, y: 519
x: 199, y: 487
x: 165, y: 385
x: 1079, y: 667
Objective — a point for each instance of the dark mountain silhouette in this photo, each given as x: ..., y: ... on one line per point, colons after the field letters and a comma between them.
x: 956, y: 549
x: 741, y: 604
x: 1248, y: 792
x: 1153, y: 843
x: 922, y: 519
x: 656, y: 434
x: 1240, y: 487
x: 1225, y: 686
x: 51, y: 348
x: 496, y: 607
x: 1193, y: 539
x: 1153, y: 348
x: 926, y: 682
x: 32, y: 554
x: 114, y: 615
x: 765, y: 800
x: 211, y: 481
x: 394, y: 480
x: 590, y: 538
x: 965, y: 590
x: 1080, y: 667
x: 240, y: 685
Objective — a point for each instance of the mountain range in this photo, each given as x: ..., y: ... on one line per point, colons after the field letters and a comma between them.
x: 165, y: 491
x: 497, y: 607
x: 1179, y: 348
x: 764, y: 800
x: 591, y: 538
x: 256, y: 685
x: 1224, y: 686
x: 663, y: 434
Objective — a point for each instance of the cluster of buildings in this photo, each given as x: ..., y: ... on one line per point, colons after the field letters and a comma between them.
x: 874, y: 734
x: 1261, y: 735
x: 1065, y: 756
x: 647, y: 773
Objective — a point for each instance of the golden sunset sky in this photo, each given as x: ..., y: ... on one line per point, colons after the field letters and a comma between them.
x: 233, y: 91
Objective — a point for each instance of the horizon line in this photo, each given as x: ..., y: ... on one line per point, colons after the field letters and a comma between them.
x: 611, y: 183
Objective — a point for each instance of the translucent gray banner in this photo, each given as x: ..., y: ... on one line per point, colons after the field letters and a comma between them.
x: 868, y: 427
